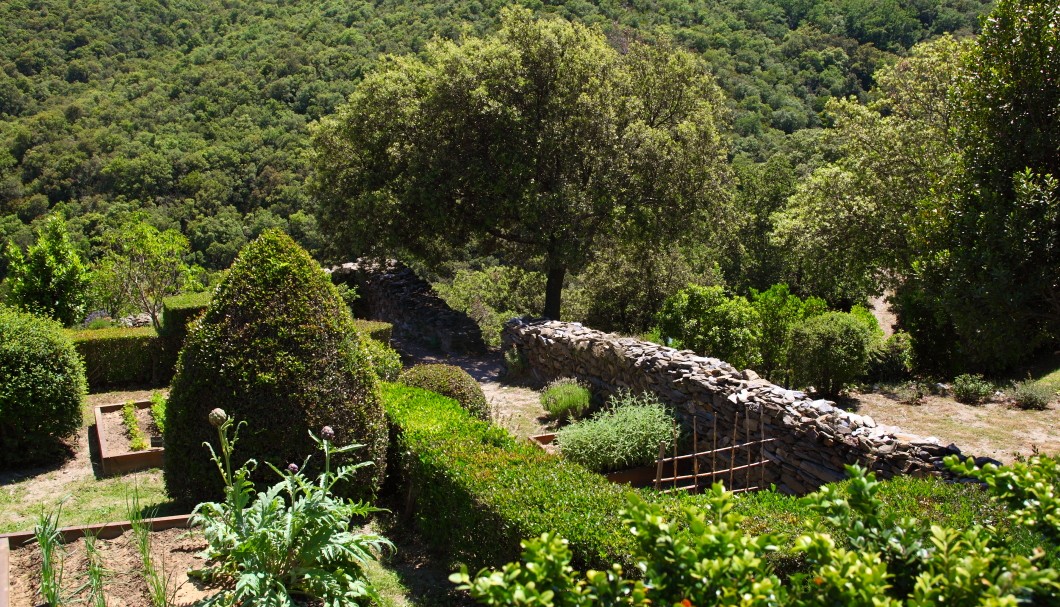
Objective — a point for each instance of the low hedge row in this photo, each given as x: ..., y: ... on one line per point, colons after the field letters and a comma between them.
x: 180, y: 310
x: 477, y: 492
x: 124, y: 357
x: 377, y: 330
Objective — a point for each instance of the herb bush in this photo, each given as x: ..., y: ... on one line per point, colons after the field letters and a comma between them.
x: 377, y: 330
x: 565, y: 398
x: 292, y: 541
x: 383, y: 359
x: 892, y: 359
x: 42, y: 386
x: 1032, y: 395
x: 478, y: 490
x: 624, y: 435
x: 277, y: 347
x: 123, y: 357
x: 451, y: 381
x: 831, y: 350
x: 971, y: 389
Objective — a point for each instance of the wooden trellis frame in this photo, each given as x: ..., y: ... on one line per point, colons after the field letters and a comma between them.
x: 668, y: 484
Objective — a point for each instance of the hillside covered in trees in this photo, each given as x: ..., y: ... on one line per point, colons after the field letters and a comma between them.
x: 197, y: 110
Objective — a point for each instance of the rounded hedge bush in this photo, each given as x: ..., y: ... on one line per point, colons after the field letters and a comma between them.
x: 451, y: 381
x: 42, y: 388
x: 829, y: 351
x: 276, y: 348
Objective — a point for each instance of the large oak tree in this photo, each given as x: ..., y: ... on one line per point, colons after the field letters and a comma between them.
x: 538, y: 142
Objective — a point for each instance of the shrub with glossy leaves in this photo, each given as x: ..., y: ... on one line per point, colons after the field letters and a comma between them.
x: 276, y: 347
x: 451, y: 381
x: 42, y: 386
x: 830, y: 351
x: 50, y: 279
x: 708, y: 321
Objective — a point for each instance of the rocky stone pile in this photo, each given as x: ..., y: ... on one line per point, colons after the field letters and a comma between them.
x: 811, y: 440
x: 391, y: 292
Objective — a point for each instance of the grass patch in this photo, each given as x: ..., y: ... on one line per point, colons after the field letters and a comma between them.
x: 88, y: 500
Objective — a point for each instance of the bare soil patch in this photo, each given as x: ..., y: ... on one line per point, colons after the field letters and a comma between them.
x: 117, y: 435
x: 994, y: 429
x: 174, y: 552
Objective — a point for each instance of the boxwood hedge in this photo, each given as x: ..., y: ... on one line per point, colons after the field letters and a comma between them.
x: 477, y: 491
x: 123, y: 357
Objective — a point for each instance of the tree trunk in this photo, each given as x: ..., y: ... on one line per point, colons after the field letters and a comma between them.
x: 553, y: 292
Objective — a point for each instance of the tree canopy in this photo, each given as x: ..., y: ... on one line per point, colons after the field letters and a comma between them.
x: 540, y: 139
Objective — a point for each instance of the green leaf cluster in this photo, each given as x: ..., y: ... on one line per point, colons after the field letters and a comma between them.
x: 626, y: 434
x: 290, y: 541
x: 43, y: 386
x: 277, y: 346
x: 50, y: 279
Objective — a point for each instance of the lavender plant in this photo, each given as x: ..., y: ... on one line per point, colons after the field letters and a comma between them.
x: 293, y: 539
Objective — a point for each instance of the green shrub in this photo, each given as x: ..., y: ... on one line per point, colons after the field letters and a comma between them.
x: 276, y: 347
x: 478, y: 491
x: 377, y: 330
x: 625, y: 435
x: 829, y: 352
x: 137, y: 439
x: 383, y: 359
x: 971, y: 389
x: 451, y: 381
x: 565, y: 398
x: 180, y: 310
x: 158, y: 412
x: 42, y: 387
x: 50, y: 279
x: 778, y: 312
x: 123, y: 357
x: 1032, y: 395
x: 892, y: 359
x: 516, y: 366
x: 704, y: 319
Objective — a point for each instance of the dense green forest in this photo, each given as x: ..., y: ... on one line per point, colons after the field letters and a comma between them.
x: 197, y: 110
x: 863, y: 150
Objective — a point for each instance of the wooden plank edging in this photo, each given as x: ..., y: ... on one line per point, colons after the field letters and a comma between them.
x: 104, y: 531
x: 112, y: 464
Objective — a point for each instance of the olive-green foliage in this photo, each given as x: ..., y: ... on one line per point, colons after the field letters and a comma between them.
x: 276, y: 347
x: 124, y: 357
x: 1032, y: 395
x: 384, y: 360
x: 450, y: 381
x: 478, y: 490
x: 50, y: 279
x: 832, y: 350
x: 971, y: 389
x: 42, y: 388
x: 892, y: 359
x: 565, y: 398
x: 625, y: 435
x: 493, y: 295
x: 180, y: 310
x: 377, y: 330
x: 779, y: 311
x: 708, y: 321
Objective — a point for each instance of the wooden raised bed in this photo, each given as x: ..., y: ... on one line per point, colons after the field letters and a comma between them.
x: 11, y: 541
x: 116, y: 458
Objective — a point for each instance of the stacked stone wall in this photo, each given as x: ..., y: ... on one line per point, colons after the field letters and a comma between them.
x: 812, y: 440
x: 389, y: 291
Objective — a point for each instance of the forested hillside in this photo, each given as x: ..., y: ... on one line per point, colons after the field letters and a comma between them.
x: 196, y: 111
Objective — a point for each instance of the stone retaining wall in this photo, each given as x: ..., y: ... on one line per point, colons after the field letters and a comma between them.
x: 391, y: 292
x: 813, y: 439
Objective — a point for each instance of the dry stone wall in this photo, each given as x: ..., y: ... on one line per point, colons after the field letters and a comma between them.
x: 391, y: 292
x: 812, y: 439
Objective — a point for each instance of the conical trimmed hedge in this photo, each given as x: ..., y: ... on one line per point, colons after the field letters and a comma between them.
x: 278, y: 349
